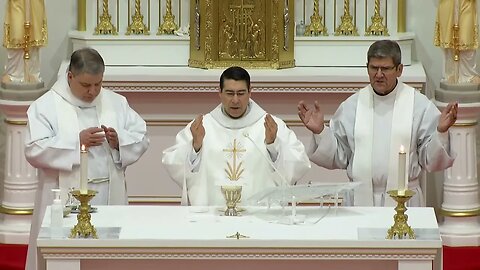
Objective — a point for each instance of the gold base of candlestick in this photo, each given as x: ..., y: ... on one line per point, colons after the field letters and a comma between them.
x: 137, y: 26
x: 377, y: 28
x: 400, y: 228
x: 84, y: 227
x: 232, y: 195
x: 168, y: 26
x: 346, y: 27
x: 316, y: 27
x: 105, y: 26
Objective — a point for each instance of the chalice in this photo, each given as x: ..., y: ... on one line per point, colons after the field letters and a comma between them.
x: 232, y: 195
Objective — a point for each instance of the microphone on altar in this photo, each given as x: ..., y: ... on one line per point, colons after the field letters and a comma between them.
x: 293, y: 218
x: 269, y: 161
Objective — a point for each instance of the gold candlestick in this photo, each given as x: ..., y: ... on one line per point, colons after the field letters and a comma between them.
x: 105, y: 26
x: 232, y: 195
x: 377, y: 28
x: 168, y: 26
x: 347, y: 25
x: 400, y: 228
x: 137, y: 26
x: 316, y: 26
x: 84, y: 227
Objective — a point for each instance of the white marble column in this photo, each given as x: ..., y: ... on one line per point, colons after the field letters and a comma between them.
x: 461, y: 202
x: 20, y: 179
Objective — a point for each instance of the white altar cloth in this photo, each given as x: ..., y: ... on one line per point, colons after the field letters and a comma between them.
x: 161, y: 237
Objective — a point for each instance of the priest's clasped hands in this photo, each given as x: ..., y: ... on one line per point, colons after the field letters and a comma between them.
x: 95, y: 136
x: 198, y: 131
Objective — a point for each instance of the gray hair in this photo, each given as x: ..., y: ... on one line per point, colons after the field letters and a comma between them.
x: 86, y: 60
x: 385, y: 49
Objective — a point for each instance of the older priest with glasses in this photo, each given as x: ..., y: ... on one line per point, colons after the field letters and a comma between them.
x: 369, y: 128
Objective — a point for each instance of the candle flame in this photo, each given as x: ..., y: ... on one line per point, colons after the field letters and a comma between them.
x: 83, y: 148
x: 402, y: 149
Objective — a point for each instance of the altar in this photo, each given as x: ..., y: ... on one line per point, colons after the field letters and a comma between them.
x: 167, y: 237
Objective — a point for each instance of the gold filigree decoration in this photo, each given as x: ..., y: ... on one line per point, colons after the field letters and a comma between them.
x: 275, y: 42
x: 197, y: 25
x: 209, y: 31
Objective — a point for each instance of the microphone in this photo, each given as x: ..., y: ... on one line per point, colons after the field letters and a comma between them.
x: 293, y: 218
x: 268, y: 159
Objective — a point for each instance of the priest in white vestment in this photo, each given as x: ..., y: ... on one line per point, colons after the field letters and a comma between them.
x: 236, y: 144
x: 78, y: 111
x: 369, y: 128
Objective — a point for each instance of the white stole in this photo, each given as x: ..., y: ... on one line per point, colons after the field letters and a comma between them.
x: 69, y: 127
x: 401, y: 132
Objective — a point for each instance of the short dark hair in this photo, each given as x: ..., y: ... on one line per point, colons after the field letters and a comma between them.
x: 86, y: 60
x: 385, y: 49
x: 235, y: 73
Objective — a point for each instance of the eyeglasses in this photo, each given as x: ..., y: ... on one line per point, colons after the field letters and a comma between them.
x: 384, y: 70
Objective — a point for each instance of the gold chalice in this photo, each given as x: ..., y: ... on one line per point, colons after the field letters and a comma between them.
x: 400, y: 228
x: 84, y: 227
x: 232, y: 195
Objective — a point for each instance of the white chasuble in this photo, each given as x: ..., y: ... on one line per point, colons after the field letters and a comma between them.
x: 235, y: 145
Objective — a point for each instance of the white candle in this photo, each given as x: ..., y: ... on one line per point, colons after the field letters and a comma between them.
x: 83, y: 170
x: 27, y: 10
x: 402, y: 161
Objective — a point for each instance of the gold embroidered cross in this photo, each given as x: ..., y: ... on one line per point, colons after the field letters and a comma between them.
x: 234, y: 172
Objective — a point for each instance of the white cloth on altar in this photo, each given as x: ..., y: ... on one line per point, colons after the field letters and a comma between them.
x: 334, y: 148
x: 202, y: 178
x: 53, y: 146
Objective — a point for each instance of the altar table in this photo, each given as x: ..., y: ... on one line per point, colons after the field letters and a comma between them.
x: 176, y: 237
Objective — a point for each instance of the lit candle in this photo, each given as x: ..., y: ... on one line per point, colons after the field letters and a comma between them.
x: 402, y: 160
x: 83, y: 170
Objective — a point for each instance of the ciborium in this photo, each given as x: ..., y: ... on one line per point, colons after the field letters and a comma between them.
x: 84, y: 227
x: 400, y: 228
x: 232, y: 195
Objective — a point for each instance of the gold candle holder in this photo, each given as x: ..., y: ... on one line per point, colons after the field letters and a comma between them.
x: 316, y: 26
x: 347, y: 25
x: 84, y: 227
x: 232, y: 195
x: 400, y: 228
x: 377, y: 28
x: 168, y: 26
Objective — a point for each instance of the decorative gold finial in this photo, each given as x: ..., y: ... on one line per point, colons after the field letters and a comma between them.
x: 346, y: 27
x: 377, y: 28
x: 105, y: 26
x: 400, y: 228
x: 168, y: 26
x: 316, y: 27
x: 137, y: 26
